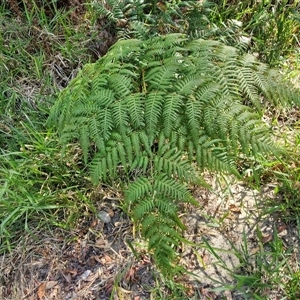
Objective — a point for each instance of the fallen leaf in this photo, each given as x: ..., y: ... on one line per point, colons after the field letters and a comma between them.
x: 228, y: 295
x: 122, y: 293
x: 234, y: 208
x: 94, y: 276
x: 208, y: 294
x: 266, y: 238
x: 50, y: 284
x: 109, y: 286
x: 67, y: 276
x: 41, y: 291
x: 281, y: 227
x: 100, y: 243
x: 107, y: 259
x: 94, y: 223
x: 110, y: 212
x: 130, y: 276
x: 55, y: 292
x: 190, y: 289
x: 254, y: 250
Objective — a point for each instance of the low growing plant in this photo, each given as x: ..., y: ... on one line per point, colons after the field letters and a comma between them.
x: 154, y: 113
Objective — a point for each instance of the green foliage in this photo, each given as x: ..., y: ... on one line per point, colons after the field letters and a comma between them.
x: 155, y: 112
x: 39, y: 51
x: 269, y: 28
x: 143, y: 18
x: 273, y: 25
x: 35, y: 184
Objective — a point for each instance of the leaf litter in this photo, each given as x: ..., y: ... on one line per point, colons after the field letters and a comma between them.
x: 95, y: 261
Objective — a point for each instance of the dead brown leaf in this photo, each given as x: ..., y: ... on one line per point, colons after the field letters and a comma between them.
x: 234, y: 208
x: 100, y: 243
x: 110, y: 212
x: 189, y: 289
x: 281, y: 227
x: 208, y: 294
x: 228, y: 295
x: 266, y: 238
x: 50, y: 284
x: 254, y: 250
x: 55, y: 292
x: 130, y: 276
x: 94, y: 223
x: 41, y: 291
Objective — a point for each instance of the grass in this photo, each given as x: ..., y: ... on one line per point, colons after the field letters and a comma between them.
x: 41, y: 50
x: 35, y: 184
x: 273, y: 25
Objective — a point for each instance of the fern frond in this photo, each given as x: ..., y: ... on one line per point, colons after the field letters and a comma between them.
x: 106, y: 124
x: 161, y: 77
x: 98, y: 167
x: 103, y: 98
x: 169, y: 187
x: 171, y: 108
x: 123, y: 49
x: 120, y: 84
x: 145, y: 207
x: 137, y: 190
x: 99, y: 84
x: 120, y: 116
x: 187, y: 85
x: 170, y: 162
x: 247, y: 84
x: 194, y: 115
x: 153, y: 111
x: 136, y: 144
x: 136, y: 107
x: 149, y: 221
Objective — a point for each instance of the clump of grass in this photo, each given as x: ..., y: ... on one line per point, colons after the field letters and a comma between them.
x: 37, y: 187
x: 41, y: 51
x: 272, y: 25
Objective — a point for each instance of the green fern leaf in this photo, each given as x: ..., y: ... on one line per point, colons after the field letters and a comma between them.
x: 137, y: 190
x: 135, y: 107
x: 120, y: 116
x: 145, y: 207
x: 120, y: 84
x: 153, y: 111
x: 170, y: 188
x: 171, y: 108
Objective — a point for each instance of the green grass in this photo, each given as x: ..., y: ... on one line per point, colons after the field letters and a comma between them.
x: 37, y: 187
x: 40, y: 51
x: 273, y: 25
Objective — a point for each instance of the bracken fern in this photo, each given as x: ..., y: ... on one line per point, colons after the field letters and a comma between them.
x: 157, y: 112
